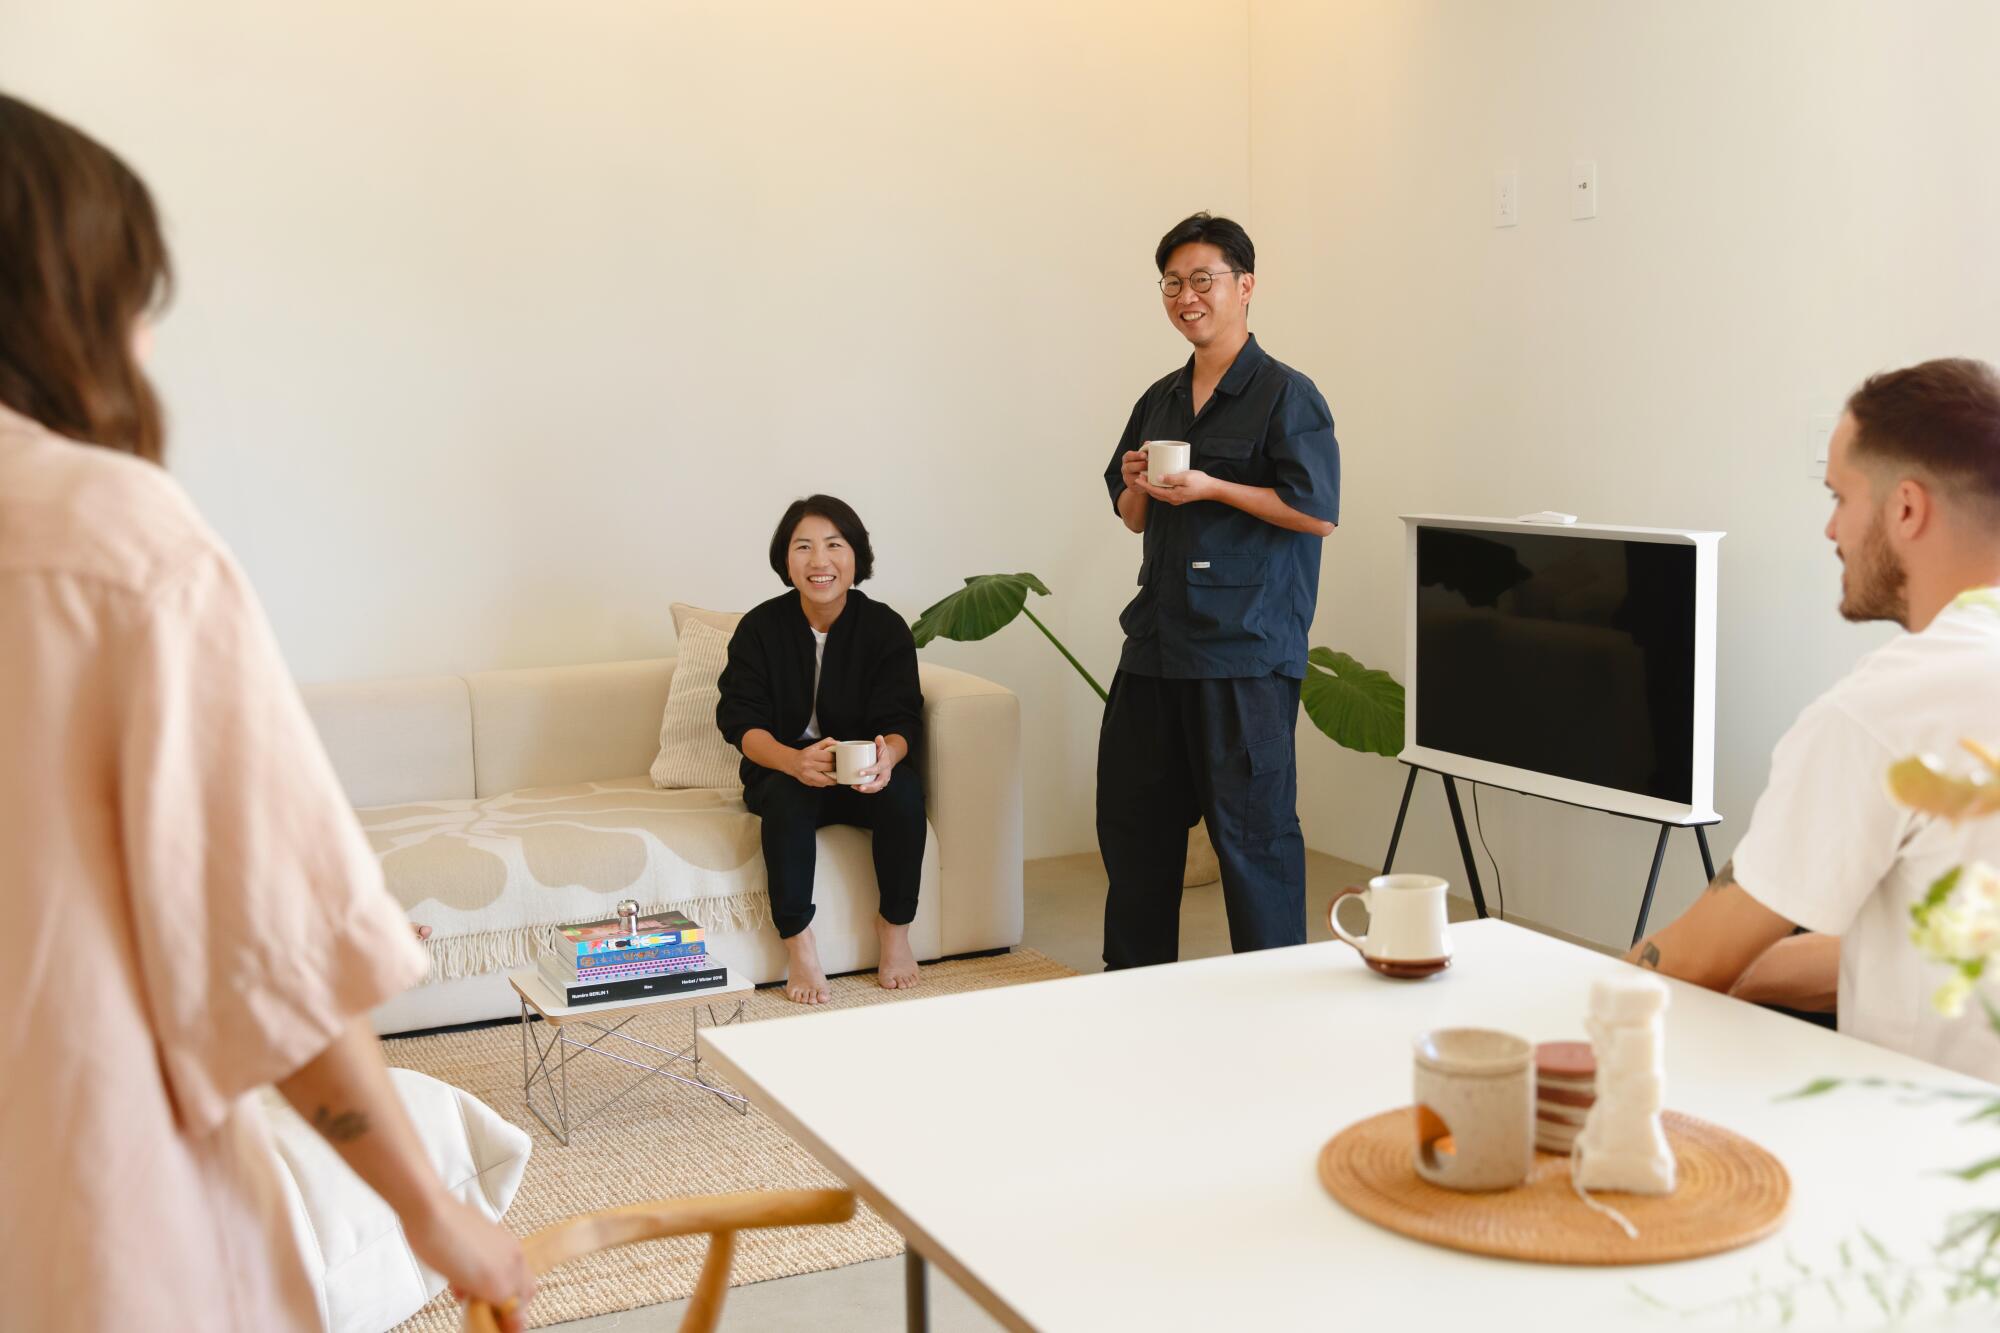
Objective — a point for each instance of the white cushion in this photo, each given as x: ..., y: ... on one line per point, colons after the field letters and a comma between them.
x: 685, y: 615
x: 692, y: 751
x: 360, y: 1263
x: 552, y: 726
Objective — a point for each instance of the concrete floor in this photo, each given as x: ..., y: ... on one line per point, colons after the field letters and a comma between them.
x: 1065, y: 920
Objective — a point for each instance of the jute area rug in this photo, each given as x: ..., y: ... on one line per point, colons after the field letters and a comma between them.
x: 666, y: 1140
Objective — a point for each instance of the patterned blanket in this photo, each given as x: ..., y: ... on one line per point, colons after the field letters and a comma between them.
x: 490, y: 876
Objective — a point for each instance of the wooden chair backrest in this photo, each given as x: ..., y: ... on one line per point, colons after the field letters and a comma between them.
x: 720, y: 1215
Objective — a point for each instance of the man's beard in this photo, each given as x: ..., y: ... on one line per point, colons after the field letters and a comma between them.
x: 1876, y: 586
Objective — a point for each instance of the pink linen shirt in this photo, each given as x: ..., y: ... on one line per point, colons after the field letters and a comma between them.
x: 188, y: 910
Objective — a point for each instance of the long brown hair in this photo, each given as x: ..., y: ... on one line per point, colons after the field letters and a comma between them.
x: 81, y: 260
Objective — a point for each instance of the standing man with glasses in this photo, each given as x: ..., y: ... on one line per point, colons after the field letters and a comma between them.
x: 1203, y: 711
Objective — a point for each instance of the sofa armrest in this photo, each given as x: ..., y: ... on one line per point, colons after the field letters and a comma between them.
x: 972, y: 788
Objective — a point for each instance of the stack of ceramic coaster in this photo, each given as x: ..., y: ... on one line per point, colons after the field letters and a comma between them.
x: 1565, y: 1088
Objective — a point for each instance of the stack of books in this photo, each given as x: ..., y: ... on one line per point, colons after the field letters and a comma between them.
x: 663, y: 954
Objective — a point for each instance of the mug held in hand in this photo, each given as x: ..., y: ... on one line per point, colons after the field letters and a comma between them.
x: 1407, y: 934
x: 850, y: 758
x: 1165, y: 458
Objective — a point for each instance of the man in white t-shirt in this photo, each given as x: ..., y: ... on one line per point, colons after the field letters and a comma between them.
x: 1914, y: 467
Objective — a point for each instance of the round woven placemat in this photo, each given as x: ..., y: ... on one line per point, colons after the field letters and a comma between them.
x: 1728, y: 1192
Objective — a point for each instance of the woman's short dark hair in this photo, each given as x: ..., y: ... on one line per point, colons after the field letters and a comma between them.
x: 845, y: 521
x: 1206, y: 229
x: 81, y: 260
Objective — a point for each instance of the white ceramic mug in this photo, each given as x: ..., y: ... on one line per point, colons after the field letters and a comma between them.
x: 849, y: 758
x: 1166, y: 457
x: 1407, y: 933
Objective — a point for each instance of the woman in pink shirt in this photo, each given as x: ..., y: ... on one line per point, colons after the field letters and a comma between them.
x: 190, y: 912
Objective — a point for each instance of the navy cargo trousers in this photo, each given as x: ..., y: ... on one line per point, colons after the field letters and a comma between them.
x: 1170, y: 752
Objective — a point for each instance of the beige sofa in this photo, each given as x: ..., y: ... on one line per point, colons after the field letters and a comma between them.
x: 445, y: 770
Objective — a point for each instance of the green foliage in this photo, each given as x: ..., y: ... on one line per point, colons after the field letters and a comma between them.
x: 1355, y: 706
x: 1939, y: 891
x: 986, y: 605
x: 1814, y: 1088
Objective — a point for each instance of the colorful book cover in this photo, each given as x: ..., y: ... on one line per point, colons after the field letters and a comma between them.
x: 615, y: 957
x: 621, y: 970
x: 673, y: 983
x: 653, y: 930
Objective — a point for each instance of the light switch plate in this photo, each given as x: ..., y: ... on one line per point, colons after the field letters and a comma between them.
x: 1583, y: 189
x: 1506, y: 198
x: 1818, y: 433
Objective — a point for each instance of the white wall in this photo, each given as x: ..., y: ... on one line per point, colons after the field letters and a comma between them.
x: 1793, y: 195
x: 503, y: 324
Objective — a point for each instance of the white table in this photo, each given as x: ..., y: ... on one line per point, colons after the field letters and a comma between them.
x: 1137, y: 1149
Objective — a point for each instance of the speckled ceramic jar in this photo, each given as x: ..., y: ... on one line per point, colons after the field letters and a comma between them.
x: 1475, y: 1094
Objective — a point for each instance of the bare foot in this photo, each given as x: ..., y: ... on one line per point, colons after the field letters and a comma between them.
x: 805, y: 979
x: 898, y: 968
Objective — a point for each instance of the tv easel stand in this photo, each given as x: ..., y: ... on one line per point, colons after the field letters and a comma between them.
x: 1472, y: 868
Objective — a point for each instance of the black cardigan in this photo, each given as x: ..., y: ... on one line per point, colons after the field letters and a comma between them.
x: 867, y: 685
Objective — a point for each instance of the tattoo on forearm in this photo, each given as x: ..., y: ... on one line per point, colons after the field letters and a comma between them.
x: 340, y: 1126
x: 1650, y: 956
x: 1723, y: 877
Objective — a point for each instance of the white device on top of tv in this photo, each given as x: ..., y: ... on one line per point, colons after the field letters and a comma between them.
x: 1567, y: 660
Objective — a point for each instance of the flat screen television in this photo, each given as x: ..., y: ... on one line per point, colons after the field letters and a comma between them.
x: 1570, y: 661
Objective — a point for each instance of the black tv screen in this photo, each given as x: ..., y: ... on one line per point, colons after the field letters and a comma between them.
x: 1559, y: 653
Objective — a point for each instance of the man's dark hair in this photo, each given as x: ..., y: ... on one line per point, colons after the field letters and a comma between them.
x: 1940, y: 419
x: 1206, y: 229
x: 845, y: 521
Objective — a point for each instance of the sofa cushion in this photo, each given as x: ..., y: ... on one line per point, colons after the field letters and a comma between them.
x: 685, y: 615
x: 352, y: 1242
x: 692, y: 751
x: 549, y: 726
x: 396, y: 740
x: 489, y: 876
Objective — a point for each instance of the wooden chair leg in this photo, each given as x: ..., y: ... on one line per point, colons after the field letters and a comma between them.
x: 712, y: 1287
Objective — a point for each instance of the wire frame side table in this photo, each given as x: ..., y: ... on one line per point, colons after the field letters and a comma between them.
x: 569, y: 1033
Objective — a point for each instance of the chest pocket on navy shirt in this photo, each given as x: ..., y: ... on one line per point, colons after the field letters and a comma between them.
x: 1231, y: 459
x: 1225, y: 597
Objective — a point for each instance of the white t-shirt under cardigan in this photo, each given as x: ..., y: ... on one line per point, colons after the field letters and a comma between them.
x: 1828, y: 850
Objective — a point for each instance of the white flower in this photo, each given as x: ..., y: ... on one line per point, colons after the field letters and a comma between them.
x: 1951, y: 997
x: 1966, y: 926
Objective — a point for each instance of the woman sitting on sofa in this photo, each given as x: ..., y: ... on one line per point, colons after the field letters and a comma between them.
x: 821, y: 664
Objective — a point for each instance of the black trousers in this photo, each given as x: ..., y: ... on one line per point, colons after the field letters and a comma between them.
x: 1172, y: 751
x: 792, y: 812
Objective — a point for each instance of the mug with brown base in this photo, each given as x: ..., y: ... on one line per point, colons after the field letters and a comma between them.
x: 1407, y: 937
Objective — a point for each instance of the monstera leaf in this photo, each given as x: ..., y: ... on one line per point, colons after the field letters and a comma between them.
x: 1357, y: 707
x: 986, y: 605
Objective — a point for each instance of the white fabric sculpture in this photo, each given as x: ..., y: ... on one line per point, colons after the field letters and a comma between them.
x: 1623, y: 1146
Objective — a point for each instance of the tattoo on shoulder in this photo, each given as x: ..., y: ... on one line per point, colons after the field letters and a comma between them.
x: 340, y: 1126
x: 1723, y: 877
x: 1650, y: 956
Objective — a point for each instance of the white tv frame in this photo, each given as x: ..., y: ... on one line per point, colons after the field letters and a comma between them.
x: 1700, y: 807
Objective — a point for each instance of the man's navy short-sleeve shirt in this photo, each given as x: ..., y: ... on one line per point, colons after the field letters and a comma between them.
x: 1223, y: 593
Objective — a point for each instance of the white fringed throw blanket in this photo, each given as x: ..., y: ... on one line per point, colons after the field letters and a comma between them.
x: 490, y: 876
